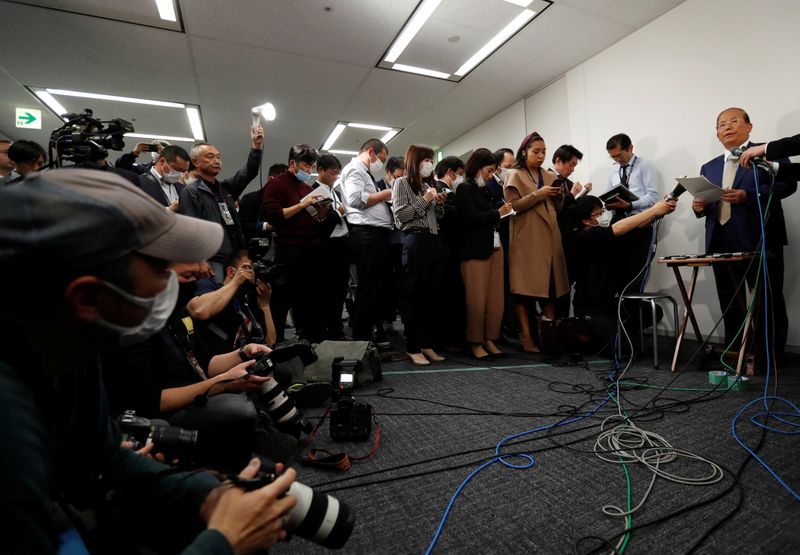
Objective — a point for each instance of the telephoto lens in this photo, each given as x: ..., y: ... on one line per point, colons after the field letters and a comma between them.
x: 282, y: 410
x: 318, y: 517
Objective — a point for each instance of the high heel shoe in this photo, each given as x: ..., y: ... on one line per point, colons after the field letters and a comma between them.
x: 418, y: 359
x: 491, y: 348
x: 479, y: 352
x: 528, y: 345
x: 432, y: 355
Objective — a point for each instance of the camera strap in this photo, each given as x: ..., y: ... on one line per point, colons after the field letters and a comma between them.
x: 336, y: 461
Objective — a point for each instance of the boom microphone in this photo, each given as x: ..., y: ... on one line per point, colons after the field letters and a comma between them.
x: 757, y: 161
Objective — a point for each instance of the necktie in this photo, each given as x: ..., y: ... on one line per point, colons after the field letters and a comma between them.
x: 728, y: 175
x: 624, y: 177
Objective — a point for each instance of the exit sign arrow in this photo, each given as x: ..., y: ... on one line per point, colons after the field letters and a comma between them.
x: 27, y: 118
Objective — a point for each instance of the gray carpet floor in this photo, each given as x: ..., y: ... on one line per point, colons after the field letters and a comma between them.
x: 427, y: 450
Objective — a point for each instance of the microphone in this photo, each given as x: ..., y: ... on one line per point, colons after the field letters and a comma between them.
x: 676, y: 192
x: 757, y: 161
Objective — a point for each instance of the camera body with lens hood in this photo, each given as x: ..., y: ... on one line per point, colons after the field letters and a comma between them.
x: 273, y: 399
x: 172, y: 441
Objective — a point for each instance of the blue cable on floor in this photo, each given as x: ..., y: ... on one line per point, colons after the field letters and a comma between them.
x: 765, y: 397
x: 502, y: 459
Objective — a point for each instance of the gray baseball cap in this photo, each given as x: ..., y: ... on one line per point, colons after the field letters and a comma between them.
x: 75, y: 219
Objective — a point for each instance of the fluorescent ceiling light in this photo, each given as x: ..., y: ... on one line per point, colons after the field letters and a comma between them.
x: 166, y: 10
x: 63, y: 92
x: 351, y: 152
x: 160, y: 137
x: 369, y: 126
x: 411, y: 29
x: 421, y: 71
x: 51, y: 102
x: 333, y: 136
x: 522, y: 3
x: 389, y: 136
x: 517, y: 23
x: 194, y: 121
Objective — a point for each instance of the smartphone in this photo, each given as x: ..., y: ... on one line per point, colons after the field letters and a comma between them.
x: 150, y: 148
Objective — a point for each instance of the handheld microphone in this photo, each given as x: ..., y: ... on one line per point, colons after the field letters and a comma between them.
x: 266, y: 111
x: 676, y: 192
x: 757, y: 161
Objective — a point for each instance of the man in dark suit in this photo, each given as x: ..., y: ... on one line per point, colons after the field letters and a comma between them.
x: 163, y: 180
x: 733, y: 224
x: 782, y: 148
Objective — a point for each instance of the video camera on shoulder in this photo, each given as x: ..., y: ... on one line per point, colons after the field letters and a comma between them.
x: 350, y: 420
x: 174, y: 442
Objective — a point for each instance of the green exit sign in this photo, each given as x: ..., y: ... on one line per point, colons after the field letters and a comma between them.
x: 29, y: 118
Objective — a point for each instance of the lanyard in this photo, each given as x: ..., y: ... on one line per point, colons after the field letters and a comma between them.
x: 539, y: 186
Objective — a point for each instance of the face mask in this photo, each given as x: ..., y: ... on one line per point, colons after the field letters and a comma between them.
x: 155, y: 156
x: 376, y: 167
x: 158, y: 308
x: 503, y: 174
x: 604, y: 219
x: 172, y: 177
x: 426, y: 169
x: 302, y: 175
x: 458, y: 181
x: 479, y: 180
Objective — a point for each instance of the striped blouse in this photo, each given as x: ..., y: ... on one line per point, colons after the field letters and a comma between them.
x: 411, y: 211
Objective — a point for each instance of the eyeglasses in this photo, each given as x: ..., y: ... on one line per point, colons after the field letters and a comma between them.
x: 732, y: 123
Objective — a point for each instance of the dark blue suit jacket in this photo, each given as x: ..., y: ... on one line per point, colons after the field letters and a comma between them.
x: 746, y: 227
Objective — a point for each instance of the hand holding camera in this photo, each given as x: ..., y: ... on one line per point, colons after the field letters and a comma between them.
x: 244, y: 274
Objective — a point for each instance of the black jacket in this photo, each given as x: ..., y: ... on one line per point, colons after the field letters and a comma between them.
x: 150, y: 185
x: 477, y: 218
x: 200, y: 201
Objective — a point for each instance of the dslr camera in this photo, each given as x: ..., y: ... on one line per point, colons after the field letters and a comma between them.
x: 281, y: 409
x: 318, y: 517
x: 86, y: 140
x: 350, y: 420
x: 173, y: 441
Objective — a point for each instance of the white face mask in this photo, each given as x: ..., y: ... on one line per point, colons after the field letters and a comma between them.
x: 172, y: 176
x: 604, y: 219
x: 503, y: 174
x: 426, y: 169
x: 376, y: 168
x: 158, y: 308
x: 458, y: 181
x: 479, y: 180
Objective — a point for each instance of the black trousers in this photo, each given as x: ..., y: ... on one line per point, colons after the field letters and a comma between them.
x: 728, y: 276
x: 298, y: 291
x: 423, y: 266
x: 334, y: 273
x: 369, y: 246
x: 225, y: 426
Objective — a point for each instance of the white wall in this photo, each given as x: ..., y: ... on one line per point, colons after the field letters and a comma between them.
x: 664, y: 85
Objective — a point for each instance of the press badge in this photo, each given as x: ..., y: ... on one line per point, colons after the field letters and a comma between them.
x: 496, y: 240
x: 226, y: 213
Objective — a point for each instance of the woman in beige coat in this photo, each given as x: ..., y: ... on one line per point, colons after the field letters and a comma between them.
x: 537, y: 266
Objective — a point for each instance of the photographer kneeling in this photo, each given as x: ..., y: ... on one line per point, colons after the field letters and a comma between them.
x: 596, y: 261
x: 163, y: 378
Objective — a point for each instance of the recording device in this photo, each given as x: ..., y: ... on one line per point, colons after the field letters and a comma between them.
x: 676, y: 192
x: 269, y: 272
x: 447, y: 192
x: 318, y: 517
x: 151, y: 148
x: 172, y: 441
x: 756, y: 161
x: 281, y: 409
x: 265, y: 111
x: 258, y: 247
x: 350, y: 420
x: 86, y: 140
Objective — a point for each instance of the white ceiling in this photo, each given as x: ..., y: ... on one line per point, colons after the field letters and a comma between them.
x: 316, y: 66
